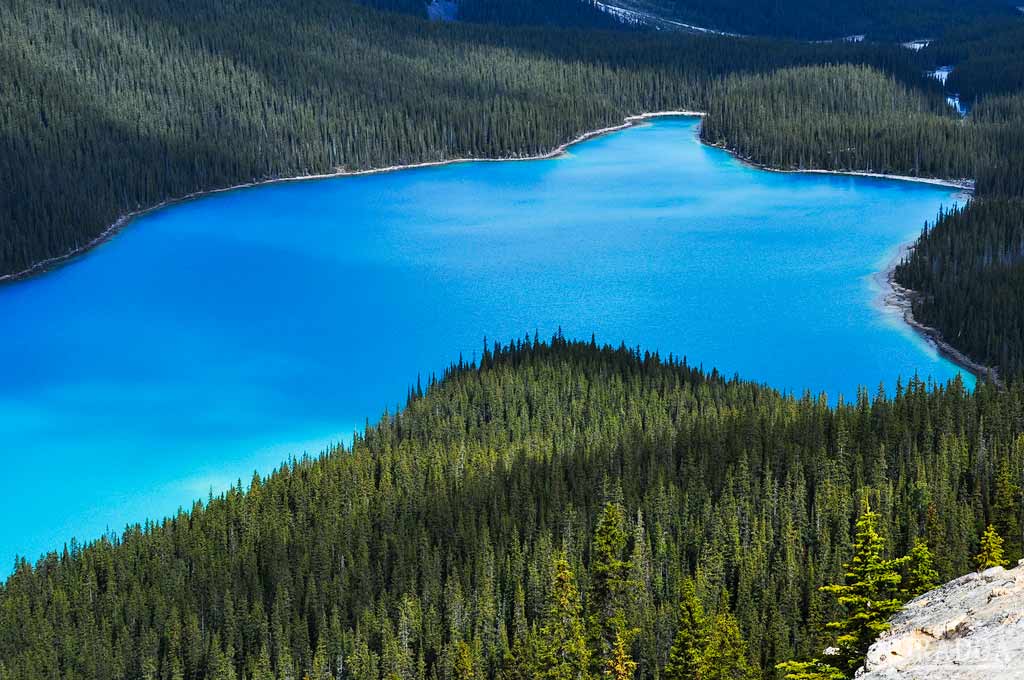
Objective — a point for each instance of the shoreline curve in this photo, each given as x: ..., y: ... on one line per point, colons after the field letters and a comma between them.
x: 897, y: 298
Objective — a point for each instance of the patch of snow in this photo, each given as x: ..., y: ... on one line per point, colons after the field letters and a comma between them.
x: 443, y: 10
x: 917, y: 45
x: 954, y: 102
x: 638, y: 18
x: 941, y: 74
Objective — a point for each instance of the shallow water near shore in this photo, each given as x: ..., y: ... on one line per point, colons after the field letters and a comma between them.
x: 220, y: 336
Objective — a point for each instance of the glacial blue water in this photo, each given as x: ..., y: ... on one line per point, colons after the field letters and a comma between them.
x: 222, y: 335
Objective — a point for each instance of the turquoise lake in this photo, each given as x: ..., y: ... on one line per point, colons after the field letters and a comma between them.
x: 222, y: 335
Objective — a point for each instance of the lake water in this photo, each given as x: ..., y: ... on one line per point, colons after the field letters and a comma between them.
x: 222, y: 335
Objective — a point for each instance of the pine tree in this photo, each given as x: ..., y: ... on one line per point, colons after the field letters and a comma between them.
x: 991, y: 553
x: 726, y: 656
x: 620, y: 664
x: 321, y: 664
x: 609, y: 582
x: 223, y: 661
x: 261, y: 670
x: 870, y: 595
x: 687, y: 649
x: 809, y: 670
x: 921, y: 575
x: 563, y: 653
x: 1006, y: 510
x: 463, y: 667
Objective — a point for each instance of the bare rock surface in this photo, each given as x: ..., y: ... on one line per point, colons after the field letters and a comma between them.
x: 972, y: 628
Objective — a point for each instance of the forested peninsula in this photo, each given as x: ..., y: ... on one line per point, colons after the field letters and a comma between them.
x: 458, y: 537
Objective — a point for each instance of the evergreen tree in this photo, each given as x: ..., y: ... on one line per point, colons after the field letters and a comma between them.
x: 991, y: 553
x: 1006, y: 511
x: 684, y: 657
x: 921, y: 575
x: 809, y: 670
x: 464, y: 667
x: 726, y: 656
x: 563, y: 653
x: 609, y: 583
x: 262, y: 670
x: 870, y: 595
x: 620, y: 665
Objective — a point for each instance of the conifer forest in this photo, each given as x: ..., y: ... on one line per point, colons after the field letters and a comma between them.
x: 553, y: 509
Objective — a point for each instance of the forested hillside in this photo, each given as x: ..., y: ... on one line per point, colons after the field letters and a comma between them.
x: 969, y: 270
x: 892, y: 20
x: 882, y: 20
x: 839, y: 118
x: 848, y: 118
x: 566, y: 13
x: 427, y: 550
x: 988, y: 57
x: 110, y: 106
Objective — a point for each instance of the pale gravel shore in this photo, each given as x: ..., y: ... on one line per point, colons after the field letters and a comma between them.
x: 901, y: 301
x: 898, y: 299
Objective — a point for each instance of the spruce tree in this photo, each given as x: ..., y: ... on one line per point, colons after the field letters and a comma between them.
x: 921, y: 575
x: 1006, y: 511
x: 262, y: 670
x: 870, y: 595
x: 687, y: 649
x: 991, y: 553
x: 809, y: 670
x: 726, y: 656
x: 609, y: 582
x: 620, y: 664
x: 463, y: 667
x: 563, y: 653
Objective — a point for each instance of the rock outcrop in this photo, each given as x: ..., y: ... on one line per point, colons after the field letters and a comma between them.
x: 972, y: 628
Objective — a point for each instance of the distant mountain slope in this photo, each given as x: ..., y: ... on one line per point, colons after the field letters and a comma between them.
x: 817, y: 19
x: 803, y: 19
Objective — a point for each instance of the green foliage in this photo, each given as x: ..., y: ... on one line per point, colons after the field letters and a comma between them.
x: 809, y: 670
x: 440, y: 523
x: 991, y: 552
x: 920, y: 574
x: 870, y: 595
x: 725, y: 656
x: 619, y: 665
x: 563, y: 652
x: 844, y: 118
x: 1007, y: 505
x: 690, y: 641
x: 608, y: 596
x: 969, y: 271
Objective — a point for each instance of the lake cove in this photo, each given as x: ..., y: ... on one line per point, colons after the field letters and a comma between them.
x: 222, y: 335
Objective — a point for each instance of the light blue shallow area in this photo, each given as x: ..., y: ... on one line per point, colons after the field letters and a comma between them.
x: 220, y: 336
